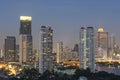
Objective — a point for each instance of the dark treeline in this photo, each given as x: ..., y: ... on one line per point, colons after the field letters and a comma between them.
x: 32, y: 74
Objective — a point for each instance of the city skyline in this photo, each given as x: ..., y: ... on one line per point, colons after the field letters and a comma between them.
x: 59, y: 39
x: 65, y: 17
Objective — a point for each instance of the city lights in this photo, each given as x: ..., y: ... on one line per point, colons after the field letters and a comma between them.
x: 60, y: 40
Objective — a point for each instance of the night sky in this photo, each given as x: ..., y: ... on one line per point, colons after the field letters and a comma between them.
x: 64, y: 16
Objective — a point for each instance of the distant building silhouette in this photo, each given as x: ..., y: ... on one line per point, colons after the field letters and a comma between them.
x: 111, y: 46
x: 10, y: 48
x: 75, y: 52
x: 76, y: 48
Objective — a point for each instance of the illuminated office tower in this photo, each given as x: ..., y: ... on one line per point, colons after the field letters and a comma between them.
x: 101, y: 43
x: 25, y: 40
x: 46, y: 49
x: 59, y: 52
x: 86, y: 49
x: 10, y: 46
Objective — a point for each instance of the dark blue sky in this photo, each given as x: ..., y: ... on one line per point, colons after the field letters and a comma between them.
x: 64, y: 16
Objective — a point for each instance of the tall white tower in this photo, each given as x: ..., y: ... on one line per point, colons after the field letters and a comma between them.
x: 86, y: 48
x: 82, y: 48
x: 59, y: 52
x: 46, y: 48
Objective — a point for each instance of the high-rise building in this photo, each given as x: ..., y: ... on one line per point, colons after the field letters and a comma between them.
x: 10, y: 46
x: 101, y: 43
x: 111, y: 41
x: 25, y: 25
x: 86, y: 49
x: 25, y: 49
x: 25, y: 40
x: 1, y: 56
x: 111, y: 46
x: 59, y: 52
x: 1, y: 53
x: 46, y: 49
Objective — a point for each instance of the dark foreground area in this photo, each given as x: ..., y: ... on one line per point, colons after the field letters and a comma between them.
x: 32, y: 74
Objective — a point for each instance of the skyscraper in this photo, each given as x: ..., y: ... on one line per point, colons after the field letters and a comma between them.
x: 25, y: 40
x: 59, y: 52
x: 101, y: 43
x: 25, y: 25
x: 46, y: 49
x: 111, y: 45
x: 10, y: 46
x: 86, y: 49
x: 25, y: 49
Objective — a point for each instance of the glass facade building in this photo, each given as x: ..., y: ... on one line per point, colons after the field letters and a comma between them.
x: 86, y: 48
x: 25, y: 40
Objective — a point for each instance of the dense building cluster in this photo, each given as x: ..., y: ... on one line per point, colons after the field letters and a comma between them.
x: 93, y: 46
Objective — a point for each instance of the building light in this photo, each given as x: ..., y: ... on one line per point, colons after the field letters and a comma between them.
x: 24, y: 18
x: 100, y: 29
